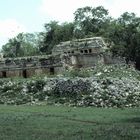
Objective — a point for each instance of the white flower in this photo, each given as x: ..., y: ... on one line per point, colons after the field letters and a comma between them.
x: 98, y: 74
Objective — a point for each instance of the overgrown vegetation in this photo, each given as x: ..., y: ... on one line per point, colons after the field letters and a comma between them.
x: 103, y: 86
x: 101, y: 70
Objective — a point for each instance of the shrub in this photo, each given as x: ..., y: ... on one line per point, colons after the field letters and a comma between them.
x: 100, y: 90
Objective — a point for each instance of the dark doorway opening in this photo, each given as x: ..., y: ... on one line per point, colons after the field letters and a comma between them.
x: 51, y: 71
x: 24, y: 73
x: 90, y: 50
x: 138, y: 63
x: 86, y: 51
x: 4, y: 74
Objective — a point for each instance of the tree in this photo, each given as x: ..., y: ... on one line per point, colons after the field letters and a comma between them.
x: 124, y: 33
x: 55, y: 34
x: 21, y: 45
x: 90, y: 20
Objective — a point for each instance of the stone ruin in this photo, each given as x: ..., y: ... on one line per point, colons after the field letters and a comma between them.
x: 79, y: 53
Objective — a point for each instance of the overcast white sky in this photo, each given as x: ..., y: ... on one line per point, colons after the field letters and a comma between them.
x: 30, y: 15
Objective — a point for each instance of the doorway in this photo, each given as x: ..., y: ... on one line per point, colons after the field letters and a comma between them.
x: 52, y: 71
x: 4, y: 74
x: 24, y: 73
x: 137, y: 63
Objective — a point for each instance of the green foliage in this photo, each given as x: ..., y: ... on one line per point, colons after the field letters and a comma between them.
x: 55, y: 34
x: 90, y: 20
x: 124, y: 33
x: 77, y: 73
x: 21, y: 45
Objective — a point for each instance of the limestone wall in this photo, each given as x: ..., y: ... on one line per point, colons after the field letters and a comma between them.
x: 29, y: 66
x: 86, y: 60
x: 75, y: 46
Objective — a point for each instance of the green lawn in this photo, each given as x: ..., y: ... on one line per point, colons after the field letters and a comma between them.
x: 68, y: 123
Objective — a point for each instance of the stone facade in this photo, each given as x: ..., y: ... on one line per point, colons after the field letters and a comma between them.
x: 71, y: 54
x: 80, y: 46
x: 29, y: 66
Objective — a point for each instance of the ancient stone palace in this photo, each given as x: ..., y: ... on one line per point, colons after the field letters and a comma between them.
x: 67, y: 55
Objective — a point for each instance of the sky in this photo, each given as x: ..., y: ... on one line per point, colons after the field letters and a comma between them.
x: 30, y: 15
